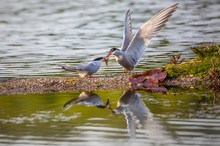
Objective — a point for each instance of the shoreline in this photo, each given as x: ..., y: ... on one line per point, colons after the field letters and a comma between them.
x: 203, y: 70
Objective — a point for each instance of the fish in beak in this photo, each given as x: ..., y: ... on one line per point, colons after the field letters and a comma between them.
x: 109, y: 54
x: 105, y: 59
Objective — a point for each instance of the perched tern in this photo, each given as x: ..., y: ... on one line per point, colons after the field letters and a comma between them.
x: 87, y: 69
x: 132, y: 49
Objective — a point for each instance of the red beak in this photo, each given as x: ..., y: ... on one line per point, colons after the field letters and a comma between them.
x: 109, y: 54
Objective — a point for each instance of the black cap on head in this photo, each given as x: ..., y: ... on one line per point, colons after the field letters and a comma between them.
x: 97, y: 59
x: 113, y: 49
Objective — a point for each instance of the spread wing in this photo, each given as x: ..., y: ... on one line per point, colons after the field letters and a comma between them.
x: 142, y: 38
x: 127, y: 34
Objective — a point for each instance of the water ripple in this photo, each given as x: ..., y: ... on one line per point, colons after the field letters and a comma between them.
x: 63, y: 32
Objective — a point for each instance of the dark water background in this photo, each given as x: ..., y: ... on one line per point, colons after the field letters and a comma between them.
x: 37, y: 35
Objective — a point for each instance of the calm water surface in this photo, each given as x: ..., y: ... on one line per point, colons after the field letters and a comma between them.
x: 36, y: 36
x: 132, y: 118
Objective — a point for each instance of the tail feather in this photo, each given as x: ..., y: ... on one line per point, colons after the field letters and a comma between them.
x: 69, y: 68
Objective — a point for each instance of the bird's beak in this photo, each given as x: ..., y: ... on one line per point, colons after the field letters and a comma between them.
x: 109, y: 54
x: 105, y: 59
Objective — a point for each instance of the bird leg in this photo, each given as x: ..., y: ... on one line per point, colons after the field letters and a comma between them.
x: 89, y: 76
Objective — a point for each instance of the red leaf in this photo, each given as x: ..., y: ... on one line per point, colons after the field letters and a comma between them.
x: 150, y: 82
x: 159, y: 76
x: 157, y: 70
x: 139, y: 79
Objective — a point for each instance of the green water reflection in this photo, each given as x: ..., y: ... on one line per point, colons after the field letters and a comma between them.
x: 145, y: 117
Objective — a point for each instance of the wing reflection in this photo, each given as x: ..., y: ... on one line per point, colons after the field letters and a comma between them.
x: 136, y: 113
x: 86, y: 98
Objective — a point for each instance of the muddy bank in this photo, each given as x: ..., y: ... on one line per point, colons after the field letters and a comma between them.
x: 66, y: 84
x: 61, y: 84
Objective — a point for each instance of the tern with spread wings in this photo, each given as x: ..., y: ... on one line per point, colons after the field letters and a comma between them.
x: 133, y: 48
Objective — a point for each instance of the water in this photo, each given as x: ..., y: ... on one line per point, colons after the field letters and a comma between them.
x: 36, y: 36
x: 131, y: 118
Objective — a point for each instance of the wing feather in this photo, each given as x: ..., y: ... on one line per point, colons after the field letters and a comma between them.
x: 127, y: 33
x: 142, y: 38
x: 91, y: 67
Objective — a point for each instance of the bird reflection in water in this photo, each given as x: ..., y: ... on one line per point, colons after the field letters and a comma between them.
x: 136, y: 113
x: 86, y: 98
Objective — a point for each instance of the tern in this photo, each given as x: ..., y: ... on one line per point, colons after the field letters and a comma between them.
x: 87, y: 69
x: 133, y: 47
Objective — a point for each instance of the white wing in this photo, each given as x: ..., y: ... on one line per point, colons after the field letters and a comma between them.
x: 127, y: 34
x: 90, y: 67
x: 142, y: 38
